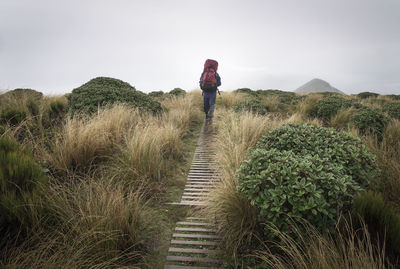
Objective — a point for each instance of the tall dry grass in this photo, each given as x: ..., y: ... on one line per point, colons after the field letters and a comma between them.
x: 228, y: 99
x: 94, y: 223
x: 387, y: 154
x: 83, y: 139
x: 347, y: 249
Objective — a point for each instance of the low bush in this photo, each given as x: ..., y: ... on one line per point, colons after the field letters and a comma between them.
x: 246, y: 91
x: 328, y: 107
x: 252, y: 105
x: 33, y: 108
x: 103, y: 91
x: 20, y: 176
x: 288, y: 187
x: 370, y: 121
x: 156, y: 94
x: 177, y: 92
x: 12, y: 116
x: 340, y: 148
x: 382, y: 220
x: 365, y: 95
x: 393, y: 109
x: 56, y: 109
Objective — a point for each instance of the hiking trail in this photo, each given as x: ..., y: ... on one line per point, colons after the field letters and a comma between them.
x: 194, y: 243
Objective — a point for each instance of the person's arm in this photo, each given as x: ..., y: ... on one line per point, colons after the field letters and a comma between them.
x: 218, y: 79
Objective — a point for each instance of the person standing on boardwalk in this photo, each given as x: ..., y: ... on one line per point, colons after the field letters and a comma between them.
x: 209, y: 83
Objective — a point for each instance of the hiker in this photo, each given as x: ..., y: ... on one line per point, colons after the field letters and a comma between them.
x: 209, y: 81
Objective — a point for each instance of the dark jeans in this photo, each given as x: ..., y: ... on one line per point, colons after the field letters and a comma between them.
x: 209, y: 102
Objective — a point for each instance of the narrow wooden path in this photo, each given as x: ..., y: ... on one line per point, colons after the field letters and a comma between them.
x: 194, y: 243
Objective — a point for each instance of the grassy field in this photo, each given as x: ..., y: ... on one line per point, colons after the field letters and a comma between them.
x: 81, y: 190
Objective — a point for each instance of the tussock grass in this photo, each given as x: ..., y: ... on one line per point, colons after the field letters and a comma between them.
x: 342, y: 120
x: 347, y: 248
x: 83, y: 140
x: 228, y: 99
x: 237, y: 133
x: 387, y: 154
x: 96, y: 223
x: 307, y: 103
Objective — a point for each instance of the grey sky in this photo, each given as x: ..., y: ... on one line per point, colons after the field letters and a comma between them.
x: 55, y: 46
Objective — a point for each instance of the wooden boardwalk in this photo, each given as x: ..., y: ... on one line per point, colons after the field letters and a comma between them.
x: 194, y: 243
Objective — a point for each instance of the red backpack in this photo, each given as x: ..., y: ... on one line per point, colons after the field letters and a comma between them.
x: 208, y: 78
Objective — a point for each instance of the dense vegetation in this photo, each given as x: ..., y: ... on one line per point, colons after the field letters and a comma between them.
x: 88, y: 190
x: 103, y: 91
x: 312, y: 183
x: 308, y: 181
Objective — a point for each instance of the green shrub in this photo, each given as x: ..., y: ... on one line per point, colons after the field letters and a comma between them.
x: 252, y: 105
x: 340, y: 148
x: 372, y: 121
x: 395, y: 97
x: 328, y: 107
x: 288, y: 187
x: 12, y: 116
x: 393, y: 109
x: 19, y: 178
x: 246, y: 91
x: 56, y: 110
x: 103, y: 91
x: 156, y: 94
x: 177, y: 92
x: 365, y: 95
x: 30, y: 93
x: 380, y: 218
x: 33, y: 108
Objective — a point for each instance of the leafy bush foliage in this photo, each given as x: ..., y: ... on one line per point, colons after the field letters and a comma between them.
x: 103, y: 91
x: 177, y: 92
x: 328, y: 107
x: 30, y: 93
x: 56, y: 110
x: 156, y: 94
x: 380, y: 218
x: 12, y: 116
x: 394, y: 96
x: 33, y: 108
x: 19, y: 176
x: 393, y: 109
x: 288, y: 187
x: 246, y: 90
x: 365, y: 95
x: 341, y: 148
x: 369, y: 120
x: 252, y: 105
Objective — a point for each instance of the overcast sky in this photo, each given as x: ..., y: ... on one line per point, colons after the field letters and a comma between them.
x: 55, y: 46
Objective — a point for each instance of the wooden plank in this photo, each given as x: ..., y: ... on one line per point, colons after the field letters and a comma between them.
x: 193, y: 223
x: 204, y: 236
x: 184, y: 229
x: 186, y: 203
x: 203, y: 194
x: 193, y: 259
x: 170, y: 266
x: 196, y: 218
x: 194, y: 250
x: 199, y: 185
x: 196, y: 243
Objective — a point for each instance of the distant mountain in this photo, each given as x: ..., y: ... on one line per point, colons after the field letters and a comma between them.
x: 317, y: 85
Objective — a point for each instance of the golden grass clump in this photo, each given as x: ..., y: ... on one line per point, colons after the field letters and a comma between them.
x: 85, y: 139
x: 347, y: 249
x: 387, y: 154
x: 342, y: 120
x: 228, y: 99
x: 98, y: 223
x: 237, y: 133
